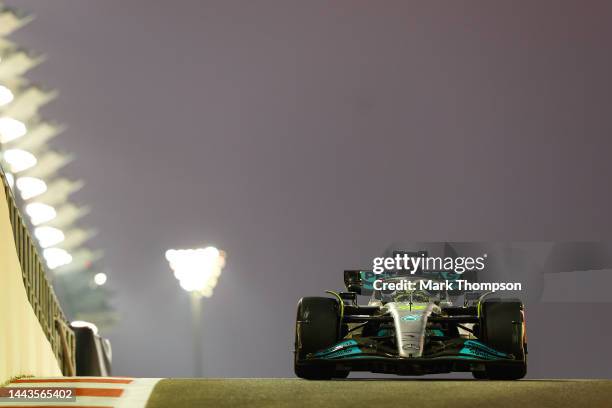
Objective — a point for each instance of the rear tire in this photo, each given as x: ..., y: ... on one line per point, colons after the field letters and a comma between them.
x: 317, y: 327
x: 502, y: 328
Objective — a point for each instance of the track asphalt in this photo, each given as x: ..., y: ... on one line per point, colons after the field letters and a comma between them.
x: 120, y: 392
x: 429, y: 393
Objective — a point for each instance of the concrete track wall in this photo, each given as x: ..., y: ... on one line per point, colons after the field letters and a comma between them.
x: 24, y: 348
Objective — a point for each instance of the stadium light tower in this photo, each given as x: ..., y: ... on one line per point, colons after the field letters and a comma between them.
x: 197, y: 271
x: 33, y: 170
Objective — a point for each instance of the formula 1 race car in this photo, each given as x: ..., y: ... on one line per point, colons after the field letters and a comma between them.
x: 407, y: 330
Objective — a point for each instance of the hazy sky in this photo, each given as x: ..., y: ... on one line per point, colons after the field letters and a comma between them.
x: 305, y: 136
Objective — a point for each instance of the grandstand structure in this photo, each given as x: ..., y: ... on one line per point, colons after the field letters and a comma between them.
x: 33, y: 170
x: 43, y: 245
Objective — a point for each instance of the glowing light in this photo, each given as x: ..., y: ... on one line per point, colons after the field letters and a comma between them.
x: 100, y: 278
x: 10, y: 179
x: 31, y: 187
x: 11, y: 129
x: 19, y: 160
x: 56, y: 257
x: 6, y: 96
x: 48, y: 236
x: 40, y: 213
x: 197, y: 270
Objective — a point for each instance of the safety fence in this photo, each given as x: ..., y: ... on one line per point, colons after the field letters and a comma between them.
x: 38, y: 288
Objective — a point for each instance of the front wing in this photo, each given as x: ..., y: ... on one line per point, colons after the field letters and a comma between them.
x: 408, y: 366
x: 363, y: 355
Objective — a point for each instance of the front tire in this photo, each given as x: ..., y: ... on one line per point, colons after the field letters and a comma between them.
x: 341, y: 374
x: 317, y: 327
x: 503, y: 328
x: 480, y: 375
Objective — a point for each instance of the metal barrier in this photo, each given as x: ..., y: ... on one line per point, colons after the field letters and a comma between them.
x: 40, y: 292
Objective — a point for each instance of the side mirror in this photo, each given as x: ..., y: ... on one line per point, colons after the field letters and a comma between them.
x: 352, y: 281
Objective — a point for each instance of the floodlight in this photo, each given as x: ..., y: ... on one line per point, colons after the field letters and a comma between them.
x: 40, y: 213
x: 19, y: 160
x: 11, y: 129
x: 100, y: 278
x: 30, y: 187
x: 56, y: 257
x: 48, y: 236
x: 6, y: 96
x: 197, y: 270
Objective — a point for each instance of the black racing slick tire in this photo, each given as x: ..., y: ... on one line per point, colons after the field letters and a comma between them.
x: 502, y: 327
x: 317, y: 327
x: 480, y: 375
x: 341, y: 374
